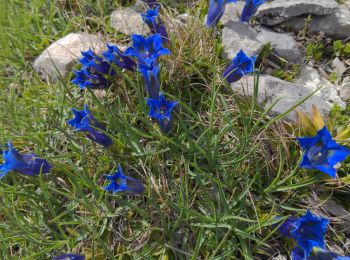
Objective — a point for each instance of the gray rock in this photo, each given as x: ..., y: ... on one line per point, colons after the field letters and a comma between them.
x: 237, y: 36
x: 232, y: 12
x: 287, y: 94
x: 336, y: 210
x: 311, y: 79
x: 283, y: 44
x: 338, y: 67
x: 278, y: 11
x: 344, y: 91
x: 128, y: 21
x: 58, y: 59
x: 336, y: 25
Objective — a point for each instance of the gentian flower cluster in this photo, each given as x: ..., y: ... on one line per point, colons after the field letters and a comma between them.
x: 147, y: 51
x: 120, y: 182
x: 240, y: 66
x: 322, y: 152
x: 155, y: 24
x: 28, y: 164
x: 85, y: 122
x: 309, y: 232
x: 97, y: 71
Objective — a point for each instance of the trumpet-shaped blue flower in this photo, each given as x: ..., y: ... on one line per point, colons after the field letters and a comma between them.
x: 155, y: 24
x: 120, y: 182
x: 151, y: 79
x: 322, y: 152
x: 146, y: 50
x: 250, y: 8
x: 85, y: 122
x: 29, y: 164
x: 96, y: 64
x: 84, y: 78
x: 216, y: 11
x: 68, y: 257
x: 160, y: 109
x: 308, y: 230
x: 240, y: 66
x: 117, y: 57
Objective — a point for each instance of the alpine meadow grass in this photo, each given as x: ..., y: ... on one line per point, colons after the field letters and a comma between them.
x: 215, y: 185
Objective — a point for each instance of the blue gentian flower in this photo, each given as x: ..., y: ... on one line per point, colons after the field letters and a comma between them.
x: 160, y: 109
x: 85, y: 122
x: 216, y: 11
x: 96, y: 64
x: 150, y: 75
x: 240, y: 66
x: 322, y: 152
x: 155, y: 24
x: 146, y: 50
x: 68, y: 257
x: 29, y: 164
x: 117, y: 57
x: 120, y: 182
x: 84, y: 78
x: 308, y: 230
x: 250, y: 8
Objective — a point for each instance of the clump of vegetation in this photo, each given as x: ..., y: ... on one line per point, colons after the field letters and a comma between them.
x: 341, y: 49
x: 288, y: 72
x: 314, y: 50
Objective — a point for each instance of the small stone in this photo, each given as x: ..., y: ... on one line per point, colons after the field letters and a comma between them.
x: 344, y: 91
x: 283, y: 44
x: 232, y: 12
x: 336, y: 24
x: 59, y: 58
x: 338, y: 67
x: 311, y: 79
x: 336, y: 210
x: 278, y: 11
x: 272, y: 89
x: 128, y: 21
x: 237, y: 36
x: 279, y: 257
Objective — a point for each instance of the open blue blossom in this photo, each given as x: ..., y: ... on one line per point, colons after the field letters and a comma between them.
x: 84, y: 78
x: 68, y: 257
x: 322, y: 152
x: 146, y: 50
x: 308, y: 230
x: 240, y: 66
x: 155, y: 24
x: 29, y: 164
x: 120, y: 182
x: 160, y: 109
x: 117, y: 57
x: 250, y: 8
x: 96, y: 64
x: 85, y: 122
x: 216, y: 11
x: 151, y: 79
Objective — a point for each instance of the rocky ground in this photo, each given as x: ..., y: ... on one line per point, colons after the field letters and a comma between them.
x: 294, y: 39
